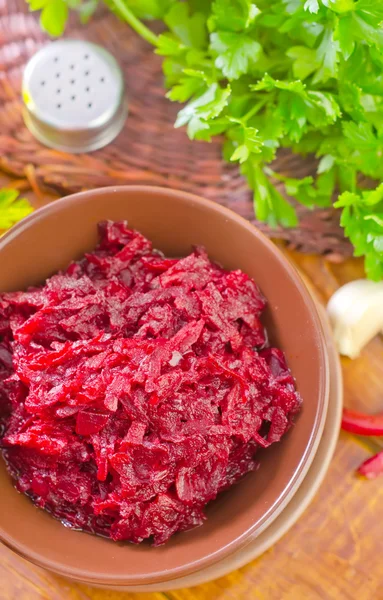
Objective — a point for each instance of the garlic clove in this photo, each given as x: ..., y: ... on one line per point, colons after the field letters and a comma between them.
x: 356, y: 315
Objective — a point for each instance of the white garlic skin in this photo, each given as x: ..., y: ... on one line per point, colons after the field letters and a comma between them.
x: 356, y: 315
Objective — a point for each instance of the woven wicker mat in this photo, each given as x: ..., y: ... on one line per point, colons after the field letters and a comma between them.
x: 149, y: 150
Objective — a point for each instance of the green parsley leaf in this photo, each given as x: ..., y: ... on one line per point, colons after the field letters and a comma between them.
x: 305, y: 191
x: 370, y: 10
x: 190, y: 29
x: 269, y: 204
x: 326, y: 163
x: 54, y: 13
x: 12, y: 208
x: 305, y: 61
x: 37, y: 4
x: 207, y: 105
x: 364, y: 31
x: 246, y: 142
x: 350, y: 99
x: 54, y: 16
x: 232, y: 15
x: 342, y: 33
x: 361, y: 135
x: 269, y: 83
x: 185, y: 89
x: 169, y: 45
x: 341, y: 6
x: 235, y: 53
x: 328, y: 56
x: 312, y: 6
x: 362, y: 219
x: 299, y: 107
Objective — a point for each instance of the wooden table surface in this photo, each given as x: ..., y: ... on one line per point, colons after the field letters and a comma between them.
x: 335, y: 550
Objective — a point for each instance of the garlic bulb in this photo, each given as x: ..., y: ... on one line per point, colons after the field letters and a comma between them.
x: 356, y: 315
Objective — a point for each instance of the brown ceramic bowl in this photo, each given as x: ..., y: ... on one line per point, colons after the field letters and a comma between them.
x: 47, y: 241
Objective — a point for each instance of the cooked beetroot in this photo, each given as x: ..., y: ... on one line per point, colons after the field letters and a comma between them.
x: 134, y: 388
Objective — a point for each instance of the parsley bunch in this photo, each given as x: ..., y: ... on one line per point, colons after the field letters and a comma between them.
x: 301, y: 74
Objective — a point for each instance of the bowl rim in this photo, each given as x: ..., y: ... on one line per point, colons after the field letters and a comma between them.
x: 86, y: 576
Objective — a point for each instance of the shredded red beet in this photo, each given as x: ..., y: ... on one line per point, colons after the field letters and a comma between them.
x: 134, y: 388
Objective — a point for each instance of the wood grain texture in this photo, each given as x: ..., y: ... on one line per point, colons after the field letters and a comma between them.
x: 335, y: 550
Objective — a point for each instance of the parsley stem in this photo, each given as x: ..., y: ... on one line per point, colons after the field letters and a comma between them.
x: 135, y: 23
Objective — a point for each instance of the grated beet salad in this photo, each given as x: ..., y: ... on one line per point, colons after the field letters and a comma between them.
x: 134, y: 388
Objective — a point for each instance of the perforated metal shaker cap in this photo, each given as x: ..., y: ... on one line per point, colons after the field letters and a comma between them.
x: 74, y: 97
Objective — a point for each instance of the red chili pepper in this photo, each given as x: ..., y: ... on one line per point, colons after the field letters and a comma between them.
x: 372, y: 467
x: 361, y: 423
